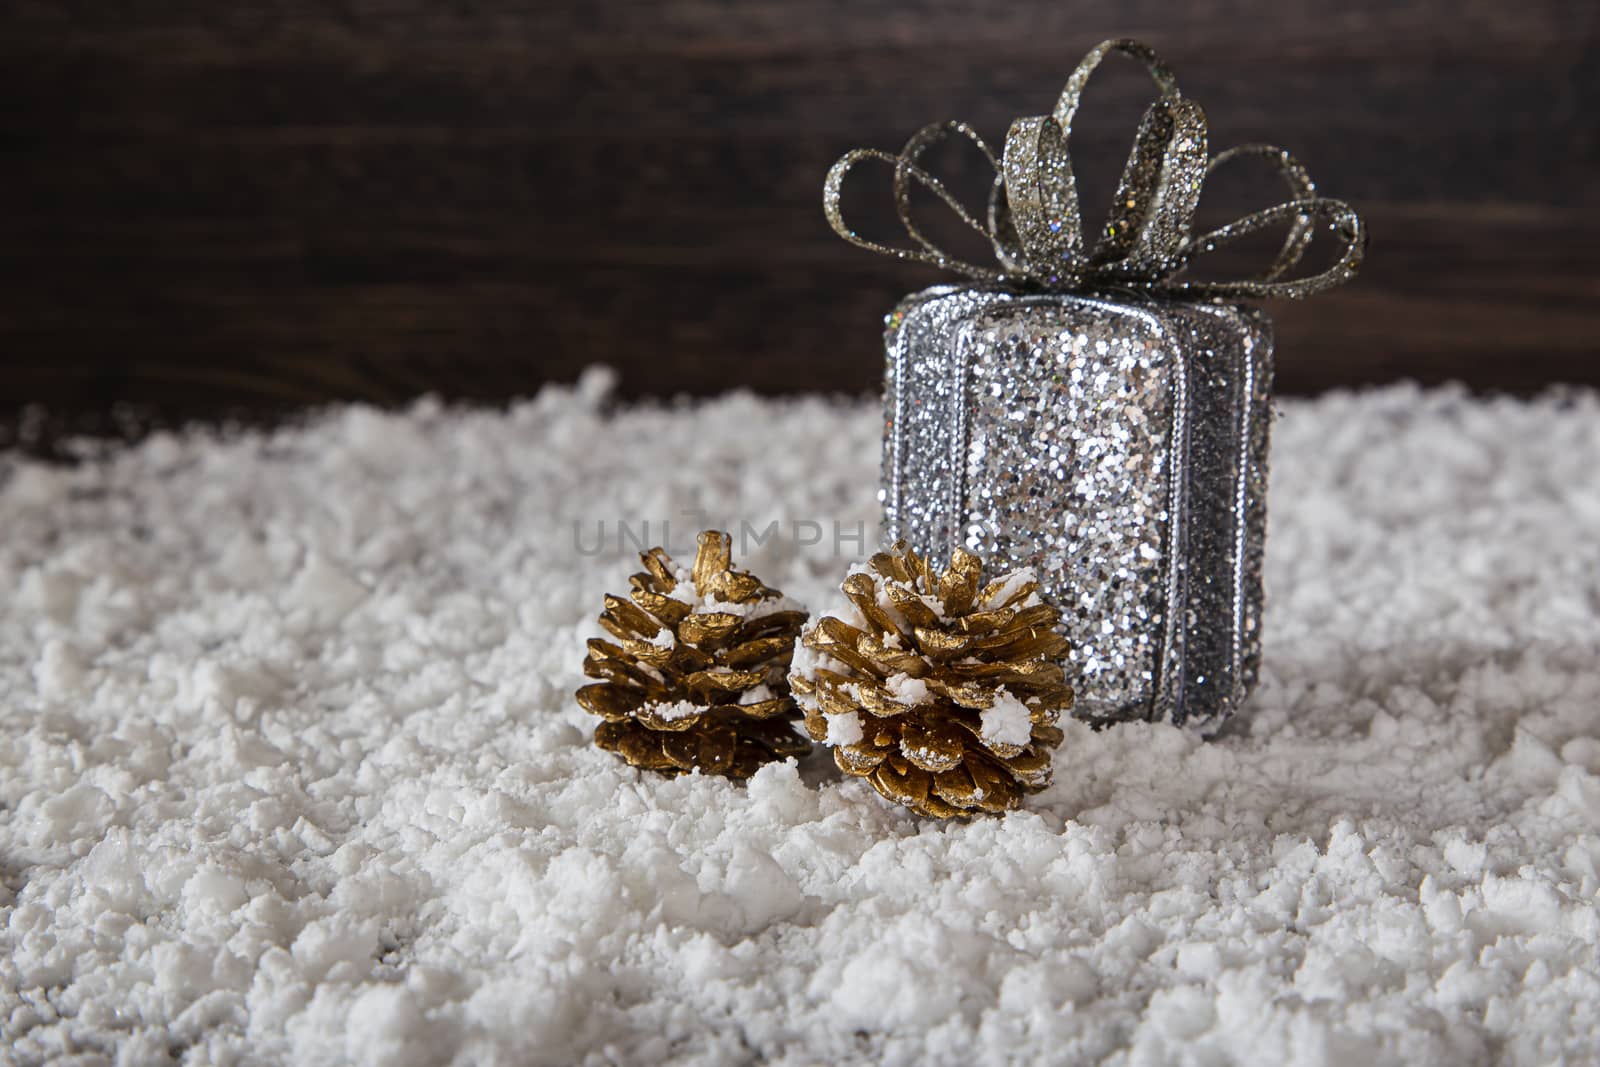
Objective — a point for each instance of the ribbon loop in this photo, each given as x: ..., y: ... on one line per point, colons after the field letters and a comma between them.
x: 1150, y: 219
x: 1035, y: 221
x: 1072, y: 95
x: 1044, y: 208
x: 1344, y: 221
x: 1300, y: 186
x: 911, y: 155
x: 928, y: 253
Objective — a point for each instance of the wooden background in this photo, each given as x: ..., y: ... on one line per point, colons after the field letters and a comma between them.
x: 213, y: 206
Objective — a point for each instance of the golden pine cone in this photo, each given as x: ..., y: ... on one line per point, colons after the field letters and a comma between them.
x: 941, y: 693
x: 697, y: 678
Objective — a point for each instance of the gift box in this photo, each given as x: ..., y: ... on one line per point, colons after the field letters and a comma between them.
x: 1118, y: 447
x: 1094, y: 412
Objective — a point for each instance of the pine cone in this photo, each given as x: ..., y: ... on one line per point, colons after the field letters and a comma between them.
x: 943, y: 696
x: 698, y: 676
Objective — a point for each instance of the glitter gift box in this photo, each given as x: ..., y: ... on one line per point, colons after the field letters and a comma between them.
x: 1119, y: 447
x: 1087, y: 408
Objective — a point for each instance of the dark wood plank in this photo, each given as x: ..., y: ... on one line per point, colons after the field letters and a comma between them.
x: 251, y: 208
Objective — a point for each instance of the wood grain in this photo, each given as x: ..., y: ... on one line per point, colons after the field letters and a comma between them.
x: 246, y: 209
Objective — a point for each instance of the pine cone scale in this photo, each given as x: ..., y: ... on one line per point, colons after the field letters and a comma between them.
x: 859, y: 760
x: 941, y: 644
x: 610, y: 702
x: 836, y: 699
x: 760, y: 650
x: 778, y: 624
x: 878, y: 703
x: 606, y: 660
x: 660, y: 606
x: 630, y: 617
x: 965, y: 694
x: 846, y: 654
x: 708, y: 751
x: 623, y: 739
x: 667, y: 718
x: 959, y: 585
x: 932, y: 746
x: 913, y: 606
x: 860, y: 591
x: 765, y: 709
x: 709, y: 630
x: 714, y: 557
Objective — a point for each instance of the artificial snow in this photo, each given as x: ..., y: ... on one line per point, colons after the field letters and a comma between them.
x: 906, y: 689
x: 673, y: 711
x: 845, y: 729
x: 1006, y: 721
x: 1011, y: 583
x: 808, y: 663
x: 756, y: 694
x: 291, y: 773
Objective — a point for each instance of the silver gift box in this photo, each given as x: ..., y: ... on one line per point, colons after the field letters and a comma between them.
x: 1116, y: 445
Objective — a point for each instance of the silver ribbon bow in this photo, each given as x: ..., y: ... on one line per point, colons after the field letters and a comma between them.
x: 1036, y: 226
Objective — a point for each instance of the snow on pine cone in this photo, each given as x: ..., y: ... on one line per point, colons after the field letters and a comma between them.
x: 942, y: 692
x: 697, y: 678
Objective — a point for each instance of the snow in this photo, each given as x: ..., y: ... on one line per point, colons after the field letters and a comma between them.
x: 808, y: 663
x: 1014, y: 581
x: 1006, y: 721
x: 290, y: 770
x: 907, y: 690
x: 674, y: 710
x: 756, y: 694
x: 845, y: 729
